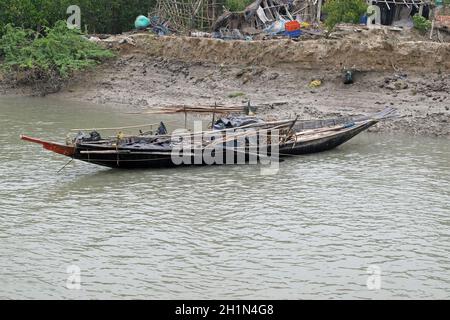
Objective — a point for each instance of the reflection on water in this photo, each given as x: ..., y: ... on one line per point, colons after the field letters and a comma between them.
x: 311, y: 231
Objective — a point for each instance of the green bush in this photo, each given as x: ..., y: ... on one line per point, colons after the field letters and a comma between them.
x: 346, y: 11
x: 52, y: 55
x: 421, y: 23
x: 237, y: 5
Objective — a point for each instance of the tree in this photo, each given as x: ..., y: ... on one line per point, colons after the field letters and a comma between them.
x: 49, y: 58
x: 237, y: 5
x: 101, y: 16
x: 347, y: 11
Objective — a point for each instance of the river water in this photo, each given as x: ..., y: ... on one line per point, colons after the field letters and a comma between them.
x: 370, y: 219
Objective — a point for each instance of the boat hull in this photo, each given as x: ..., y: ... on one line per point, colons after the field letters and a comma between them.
x: 324, y: 143
x: 132, y: 159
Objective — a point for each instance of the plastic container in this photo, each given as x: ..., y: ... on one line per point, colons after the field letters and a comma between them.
x: 363, y: 20
x: 292, y: 26
x: 141, y: 22
x: 294, y: 34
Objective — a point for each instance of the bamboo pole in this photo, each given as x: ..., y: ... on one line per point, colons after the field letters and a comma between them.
x: 195, y: 109
x: 214, y: 116
x: 121, y: 128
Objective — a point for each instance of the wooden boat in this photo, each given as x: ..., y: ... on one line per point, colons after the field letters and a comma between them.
x: 294, y: 137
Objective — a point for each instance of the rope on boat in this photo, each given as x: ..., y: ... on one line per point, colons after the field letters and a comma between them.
x: 65, y: 166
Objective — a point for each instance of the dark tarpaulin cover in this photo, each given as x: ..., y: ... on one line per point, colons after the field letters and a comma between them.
x: 233, y: 122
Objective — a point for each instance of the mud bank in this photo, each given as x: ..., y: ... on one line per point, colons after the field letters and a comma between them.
x: 373, y: 50
x: 412, y: 76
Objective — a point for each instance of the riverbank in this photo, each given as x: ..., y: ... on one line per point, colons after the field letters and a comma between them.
x: 389, y: 70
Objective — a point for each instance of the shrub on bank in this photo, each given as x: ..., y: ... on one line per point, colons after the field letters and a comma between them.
x: 421, y: 23
x: 343, y: 11
x: 237, y: 5
x: 50, y: 56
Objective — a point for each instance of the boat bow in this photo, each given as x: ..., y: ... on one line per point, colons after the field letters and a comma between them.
x: 65, y: 150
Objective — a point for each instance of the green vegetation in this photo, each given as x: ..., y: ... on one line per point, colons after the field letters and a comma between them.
x: 346, y: 11
x: 237, y: 5
x: 50, y: 56
x: 98, y: 16
x: 421, y: 23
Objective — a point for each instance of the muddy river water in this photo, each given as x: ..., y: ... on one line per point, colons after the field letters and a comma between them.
x: 370, y: 219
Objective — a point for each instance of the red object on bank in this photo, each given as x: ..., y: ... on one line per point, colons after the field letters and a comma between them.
x: 292, y: 26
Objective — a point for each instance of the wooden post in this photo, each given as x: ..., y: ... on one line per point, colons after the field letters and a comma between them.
x: 432, y: 29
x: 214, y: 115
x: 319, y: 10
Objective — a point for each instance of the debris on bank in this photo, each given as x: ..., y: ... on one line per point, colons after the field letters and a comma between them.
x: 187, y: 15
x: 442, y: 19
x: 286, y: 19
x: 267, y: 19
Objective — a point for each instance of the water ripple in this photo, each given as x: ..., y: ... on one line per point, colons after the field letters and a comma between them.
x: 311, y: 231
